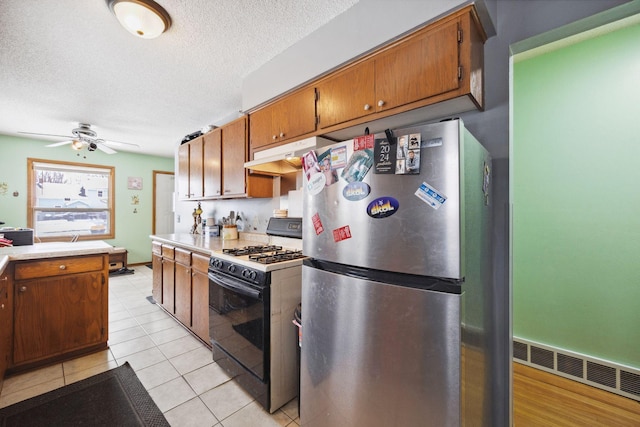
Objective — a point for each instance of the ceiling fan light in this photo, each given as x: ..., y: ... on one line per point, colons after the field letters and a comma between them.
x: 77, y: 144
x: 142, y: 18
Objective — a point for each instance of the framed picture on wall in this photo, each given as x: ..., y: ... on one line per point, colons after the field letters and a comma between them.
x: 134, y: 183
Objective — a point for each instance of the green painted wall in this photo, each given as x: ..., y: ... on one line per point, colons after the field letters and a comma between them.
x: 132, y: 229
x: 575, y: 173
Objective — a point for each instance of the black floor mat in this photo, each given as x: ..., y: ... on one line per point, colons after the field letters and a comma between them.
x: 112, y: 398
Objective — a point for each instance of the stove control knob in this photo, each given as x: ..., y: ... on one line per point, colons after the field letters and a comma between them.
x: 252, y: 275
x: 232, y: 268
x: 217, y: 263
x: 246, y: 273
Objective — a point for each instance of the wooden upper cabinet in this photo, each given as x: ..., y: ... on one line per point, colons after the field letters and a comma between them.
x: 288, y: 118
x: 439, y: 62
x: 347, y: 95
x: 196, y: 167
x: 190, y: 169
x: 296, y: 114
x: 234, y: 151
x: 212, y: 163
x: 183, y: 171
x: 418, y: 68
x: 261, y: 128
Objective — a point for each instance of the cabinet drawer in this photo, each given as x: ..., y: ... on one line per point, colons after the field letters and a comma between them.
x: 183, y: 256
x: 58, y: 267
x: 200, y: 263
x: 156, y: 248
x: 167, y: 251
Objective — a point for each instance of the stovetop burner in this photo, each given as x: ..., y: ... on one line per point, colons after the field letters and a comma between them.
x: 250, y: 250
x: 269, y: 257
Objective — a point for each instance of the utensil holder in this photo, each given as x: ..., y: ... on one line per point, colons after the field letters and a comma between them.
x: 229, y: 232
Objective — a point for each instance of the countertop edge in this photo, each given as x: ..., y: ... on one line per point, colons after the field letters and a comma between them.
x: 53, y: 250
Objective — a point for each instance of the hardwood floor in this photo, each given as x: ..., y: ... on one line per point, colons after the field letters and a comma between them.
x: 543, y: 399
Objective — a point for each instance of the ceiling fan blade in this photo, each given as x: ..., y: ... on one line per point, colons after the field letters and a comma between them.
x: 46, y: 134
x: 105, y: 149
x: 120, y: 143
x: 57, y: 144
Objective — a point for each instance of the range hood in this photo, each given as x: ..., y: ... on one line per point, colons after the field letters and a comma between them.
x: 285, y: 158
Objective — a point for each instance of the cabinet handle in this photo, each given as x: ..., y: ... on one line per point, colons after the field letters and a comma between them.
x: 63, y: 267
x: 367, y: 107
x: 2, y: 306
x: 380, y: 103
x: 23, y: 289
x: 274, y: 137
x: 281, y: 134
x: 4, y: 279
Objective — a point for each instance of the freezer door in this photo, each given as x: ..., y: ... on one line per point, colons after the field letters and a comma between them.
x: 404, y: 233
x: 378, y: 355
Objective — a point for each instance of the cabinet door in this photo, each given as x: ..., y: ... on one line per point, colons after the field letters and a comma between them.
x: 183, y: 293
x: 6, y: 321
x: 346, y: 96
x: 295, y: 115
x: 183, y: 171
x: 261, y: 131
x: 168, y: 284
x: 421, y: 67
x: 233, y: 157
x: 156, y: 290
x: 196, y: 167
x: 58, y: 315
x: 212, y: 160
x: 200, y: 296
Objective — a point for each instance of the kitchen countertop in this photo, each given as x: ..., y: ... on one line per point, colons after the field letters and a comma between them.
x: 52, y: 250
x: 214, y: 246
x: 208, y: 245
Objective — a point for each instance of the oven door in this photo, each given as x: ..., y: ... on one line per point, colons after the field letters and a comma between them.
x: 237, y: 325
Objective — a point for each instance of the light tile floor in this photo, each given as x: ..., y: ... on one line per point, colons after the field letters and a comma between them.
x: 177, y: 369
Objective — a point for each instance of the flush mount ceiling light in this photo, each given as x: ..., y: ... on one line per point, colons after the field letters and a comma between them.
x: 143, y: 18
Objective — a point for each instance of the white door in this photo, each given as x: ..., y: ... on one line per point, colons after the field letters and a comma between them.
x: 163, y: 188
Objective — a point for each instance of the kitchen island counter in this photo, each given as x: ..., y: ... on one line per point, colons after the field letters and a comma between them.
x: 57, y: 299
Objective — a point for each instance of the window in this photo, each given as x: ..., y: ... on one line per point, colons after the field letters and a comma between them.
x: 70, y: 200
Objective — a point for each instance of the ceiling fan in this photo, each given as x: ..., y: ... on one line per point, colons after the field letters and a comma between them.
x: 83, y: 136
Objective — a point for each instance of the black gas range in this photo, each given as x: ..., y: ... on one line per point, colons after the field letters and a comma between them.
x: 253, y: 292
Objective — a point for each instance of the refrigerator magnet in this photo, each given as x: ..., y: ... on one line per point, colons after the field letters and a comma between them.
x: 430, y: 196
x: 339, y: 157
x: 317, y: 224
x: 383, y: 207
x: 358, y: 165
x: 342, y: 233
x: 316, y: 183
x: 326, y: 168
x: 355, y: 191
x: 385, y: 157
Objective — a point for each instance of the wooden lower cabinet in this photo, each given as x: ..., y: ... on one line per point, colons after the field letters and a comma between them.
x: 168, y: 279
x: 181, y: 275
x: 6, y: 320
x: 59, y: 311
x: 156, y: 291
x: 200, y: 297
x: 183, y: 287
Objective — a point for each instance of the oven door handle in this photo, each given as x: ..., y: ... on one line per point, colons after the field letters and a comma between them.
x: 235, y: 286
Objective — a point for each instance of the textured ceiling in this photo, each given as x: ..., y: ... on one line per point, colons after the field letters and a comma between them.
x: 69, y: 61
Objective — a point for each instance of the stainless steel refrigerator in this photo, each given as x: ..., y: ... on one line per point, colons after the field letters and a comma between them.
x: 396, y: 305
